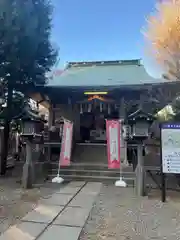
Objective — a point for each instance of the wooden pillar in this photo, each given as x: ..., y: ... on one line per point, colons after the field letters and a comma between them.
x: 122, y: 113
x: 122, y: 109
x: 76, y: 121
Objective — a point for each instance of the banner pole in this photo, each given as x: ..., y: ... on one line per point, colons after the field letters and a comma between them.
x: 59, y: 179
x: 59, y: 168
x: 121, y: 182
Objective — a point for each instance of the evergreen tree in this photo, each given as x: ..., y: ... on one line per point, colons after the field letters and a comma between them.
x: 26, y: 52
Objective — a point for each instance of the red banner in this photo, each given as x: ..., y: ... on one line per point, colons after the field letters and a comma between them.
x: 66, y: 145
x: 113, y: 143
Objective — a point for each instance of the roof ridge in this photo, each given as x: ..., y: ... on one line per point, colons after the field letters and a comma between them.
x: 104, y: 63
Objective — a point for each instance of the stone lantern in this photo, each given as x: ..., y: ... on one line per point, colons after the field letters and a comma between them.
x: 140, y: 123
x: 32, y: 127
x: 60, y: 125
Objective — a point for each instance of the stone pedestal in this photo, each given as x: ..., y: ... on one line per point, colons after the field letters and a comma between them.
x: 140, y: 173
x: 28, y: 168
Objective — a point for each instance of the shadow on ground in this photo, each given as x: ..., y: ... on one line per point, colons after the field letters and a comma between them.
x: 119, y: 215
x: 16, y: 202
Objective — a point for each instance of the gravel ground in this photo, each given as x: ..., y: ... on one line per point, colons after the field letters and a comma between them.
x: 16, y: 202
x: 119, y: 215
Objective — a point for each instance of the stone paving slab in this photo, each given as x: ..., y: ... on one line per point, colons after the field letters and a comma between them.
x: 96, y: 186
x: 23, y: 231
x: 61, y: 232
x: 86, y: 197
x: 68, y: 190
x: 72, y: 216
x: 88, y: 192
x: 76, y: 184
x: 91, y: 189
x: 82, y: 201
x: 70, y: 221
x: 43, y: 214
x: 57, y: 199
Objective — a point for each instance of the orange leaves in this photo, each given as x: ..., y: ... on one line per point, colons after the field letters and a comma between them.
x: 163, y: 32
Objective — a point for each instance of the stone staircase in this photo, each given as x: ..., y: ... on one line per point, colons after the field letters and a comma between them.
x: 89, y: 163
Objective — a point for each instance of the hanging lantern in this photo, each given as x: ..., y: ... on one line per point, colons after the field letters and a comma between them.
x: 81, y: 109
x: 89, y: 107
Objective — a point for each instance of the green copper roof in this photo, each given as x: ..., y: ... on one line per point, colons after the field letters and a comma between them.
x: 107, y: 73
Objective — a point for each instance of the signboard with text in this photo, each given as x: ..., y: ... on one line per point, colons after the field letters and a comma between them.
x: 65, y: 154
x: 170, y: 144
x: 113, y: 143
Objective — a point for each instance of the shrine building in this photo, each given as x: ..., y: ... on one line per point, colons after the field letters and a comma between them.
x: 88, y: 93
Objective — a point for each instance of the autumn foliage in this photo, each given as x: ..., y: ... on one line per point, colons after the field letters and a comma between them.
x: 163, y: 34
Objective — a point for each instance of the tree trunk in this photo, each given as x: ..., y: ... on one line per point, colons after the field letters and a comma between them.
x: 5, y: 140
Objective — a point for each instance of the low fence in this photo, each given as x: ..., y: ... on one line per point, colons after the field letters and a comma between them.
x: 152, y: 168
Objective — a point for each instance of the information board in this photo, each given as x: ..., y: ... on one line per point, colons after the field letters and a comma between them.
x: 170, y: 144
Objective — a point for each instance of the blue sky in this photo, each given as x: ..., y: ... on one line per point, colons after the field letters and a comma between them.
x: 87, y: 30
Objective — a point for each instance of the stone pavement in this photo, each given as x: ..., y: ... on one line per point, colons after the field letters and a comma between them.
x: 119, y: 215
x: 16, y: 202
x: 59, y: 216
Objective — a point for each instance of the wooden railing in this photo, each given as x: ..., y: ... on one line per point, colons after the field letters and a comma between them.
x: 152, y: 167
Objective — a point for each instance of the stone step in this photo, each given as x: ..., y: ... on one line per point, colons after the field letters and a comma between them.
x: 92, y: 172
x: 84, y: 172
x: 74, y: 177
x: 90, y: 166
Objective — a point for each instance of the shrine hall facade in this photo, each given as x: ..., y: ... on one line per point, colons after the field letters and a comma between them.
x: 88, y: 93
